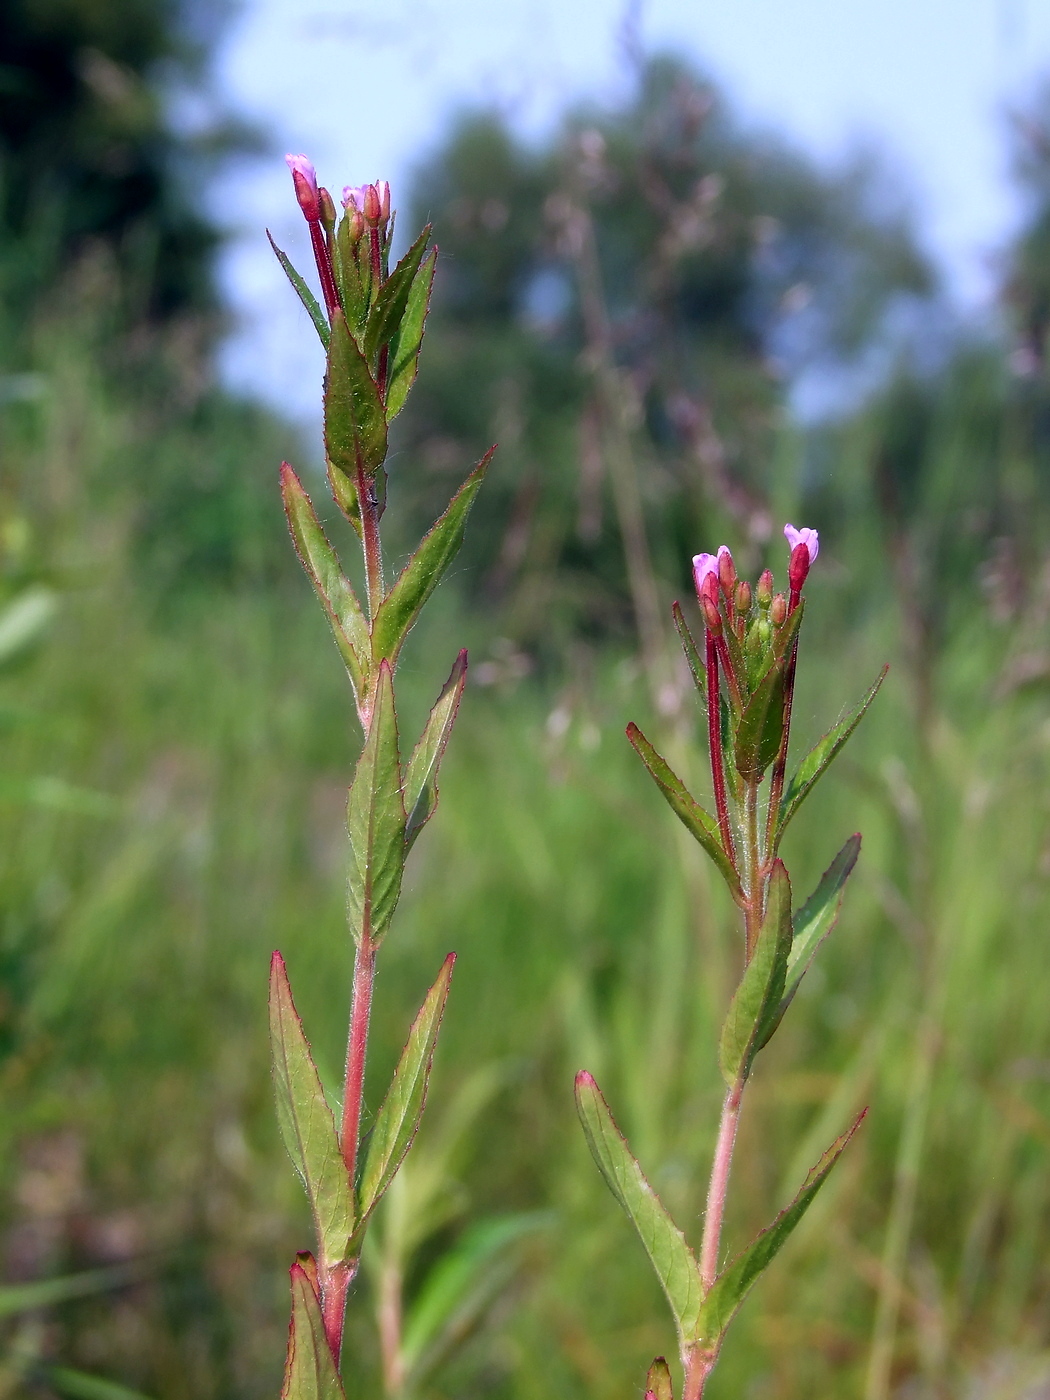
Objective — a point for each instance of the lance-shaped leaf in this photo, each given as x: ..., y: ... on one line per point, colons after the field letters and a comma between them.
x: 818, y: 758
x: 692, y: 653
x: 665, y: 1244
x: 686, y: 808
x: 760, y: 729
x: 658, y: 1382
x: 420, y: 786
x: 403, y: 359
x: 735, y: 1282
x: 398, y: 1118
x: 423, y: 572
x: 307, y: 297
x: 757, y: 999
x: 306, y: 1122
x: 812, y: 924
x: 332, y: 587
x: 391, y: 303
x: 309, y: 1370
x: 354, y: 421
x: 375, y: 819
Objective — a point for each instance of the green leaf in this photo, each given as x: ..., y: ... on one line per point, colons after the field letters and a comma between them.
x: 375, y: 819
x: 79, y: 1385
x: 309, y: 1370
x: 760, y: 730
x: 319, y: 559
x: 658, y: 1382
x: 686, y: 809
x: 423, y: 572
x: 398, y: 1118
x: 818, y: 758
x: 735, y: 1282
x: 354, y: 421
x: 305, y: 295
x: 391, y: 303
x: 307, y: 1124
x: 46, y: 1292
x: 665, y: 1244
x: 420, y: 787
x: 692, y: 652
x: 404, y: 347
x: 757, y: 998
x: 466, y: 1280
x: 813, y: 922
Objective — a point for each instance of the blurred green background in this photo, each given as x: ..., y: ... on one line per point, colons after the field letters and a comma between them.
x: 624, y: 308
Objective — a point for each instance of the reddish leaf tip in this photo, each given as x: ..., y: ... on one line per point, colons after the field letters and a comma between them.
x: 585, y: 1080
x: 277, y: 963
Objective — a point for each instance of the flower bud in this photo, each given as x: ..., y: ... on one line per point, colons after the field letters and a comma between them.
x: 726, y: 570
x: 798, y: 568
x: 383, y: 188
x: 778, y: 611
x: 765, y: 589
x: 742, y: 598
x: 373, y: 209
x: 712, y: 617
x: 326, y: 207
x: 304, y: 177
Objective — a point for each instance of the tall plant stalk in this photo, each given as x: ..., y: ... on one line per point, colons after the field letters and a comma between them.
x: 371, y: 327
x: 745, y: 677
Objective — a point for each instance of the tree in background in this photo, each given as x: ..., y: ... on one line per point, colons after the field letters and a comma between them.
x: 709, y: 268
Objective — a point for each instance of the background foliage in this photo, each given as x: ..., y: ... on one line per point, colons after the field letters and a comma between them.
x: 175, y: 752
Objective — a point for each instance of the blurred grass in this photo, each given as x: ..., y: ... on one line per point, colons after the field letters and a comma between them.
x: 173, y: 778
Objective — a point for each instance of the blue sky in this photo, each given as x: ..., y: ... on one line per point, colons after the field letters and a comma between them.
x: 364, y: 85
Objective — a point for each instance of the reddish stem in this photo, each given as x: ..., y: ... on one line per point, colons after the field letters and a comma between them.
x: 356, y: 1049
x: 323, y: 259
x: 716, y: 1191
x: 714, y: 737
x: 335, y: 1284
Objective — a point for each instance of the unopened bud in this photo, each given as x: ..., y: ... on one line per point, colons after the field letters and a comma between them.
x: 304, y: 177
x: 326, y: 205
x: 373, y: 210
x: 779, y: 610
x: 742, y: 600
x: 726, y: 570
x: 355, y: 225
x: 383, y: 188
x: 798, y: 568
x: 712, y: 617
x: 765, y: 589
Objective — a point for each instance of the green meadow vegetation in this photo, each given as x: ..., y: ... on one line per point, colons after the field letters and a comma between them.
x: 626, y: 311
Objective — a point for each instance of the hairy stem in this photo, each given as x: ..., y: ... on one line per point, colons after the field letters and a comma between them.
x: 323, y: 259
x: 335, y: 1284
x: 356, y: 1050
x: 719, y: 1184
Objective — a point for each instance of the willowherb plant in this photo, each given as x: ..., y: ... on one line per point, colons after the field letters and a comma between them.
x: 371, y: 327
x: 746, y: 679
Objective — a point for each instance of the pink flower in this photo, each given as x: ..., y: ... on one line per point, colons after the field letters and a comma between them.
x: 373, y: 201
x: 804, y: 536
x: 304, y: 177
x: 704, y: 564
x: 355, y: 195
